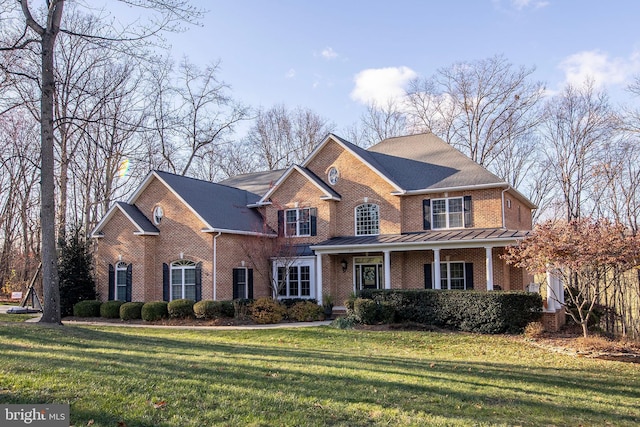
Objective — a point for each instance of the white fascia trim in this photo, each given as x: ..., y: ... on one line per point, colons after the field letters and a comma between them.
x: 239, y: 232
x: 107, y: 217
x: 258, y: 205
x: 414, y: 246
x: 265, y: 199
x: 147, y: 233
x: 375, y: 170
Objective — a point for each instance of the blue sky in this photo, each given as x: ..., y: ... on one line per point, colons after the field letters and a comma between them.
x: 334, y: 56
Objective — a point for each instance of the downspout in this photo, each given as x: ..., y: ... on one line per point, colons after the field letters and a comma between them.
x: 504, y: 219
x: 215, y: 265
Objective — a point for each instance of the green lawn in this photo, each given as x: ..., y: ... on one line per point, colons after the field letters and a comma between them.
x: 309, y: 377
x: 6, y: 317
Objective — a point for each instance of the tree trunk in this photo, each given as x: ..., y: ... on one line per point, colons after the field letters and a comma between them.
x: 50, y: 280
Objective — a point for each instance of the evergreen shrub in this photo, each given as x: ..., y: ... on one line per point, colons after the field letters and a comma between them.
x: 131, y: 310
x: 208, y: 309
x: 266, y: 310
x: 491, y: 312
x: 87, y: 308
x: 306, y: 311
x: 155, y: 310
x: 181, y: 308
x: 110, y: 309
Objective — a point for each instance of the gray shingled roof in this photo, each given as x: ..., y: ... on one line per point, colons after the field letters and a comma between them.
x: 221, y: 206
x: 426, y: 162
x: 256, y: 182
x: 141, y: 221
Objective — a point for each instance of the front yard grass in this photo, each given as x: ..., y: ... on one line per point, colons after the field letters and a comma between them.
x: 309, y: 377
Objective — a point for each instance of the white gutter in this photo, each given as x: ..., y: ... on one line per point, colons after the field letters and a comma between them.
x: 504, y: 218
x: 240, y: 232
x: 215, y: 265
x: 450, y: 189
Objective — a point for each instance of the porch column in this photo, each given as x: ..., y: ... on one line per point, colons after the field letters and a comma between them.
x: 319, y: 278
x: 436, y: 269
x: 489, y: 266
x: 387, y: 269
x: 555, y: 292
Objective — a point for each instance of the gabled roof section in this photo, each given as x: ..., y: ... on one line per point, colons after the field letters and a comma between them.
x: 219, y: 207
x: 360, y: 153
x: 329, y: 193
x: 426, y: 162
x: 255, y: 182
x: 133, y: 214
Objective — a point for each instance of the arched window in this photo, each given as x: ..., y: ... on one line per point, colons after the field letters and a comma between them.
x: 121, y: 281
x: 367, y: 219
x: 183, y: 280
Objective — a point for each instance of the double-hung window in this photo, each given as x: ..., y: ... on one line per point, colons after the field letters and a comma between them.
x: 452, y: 275
x: 298, y: 222
x: 294, y: 281
x: 367, y: 219
x: 121, y: 281
x: 183, y: 280
x: 447, y: 213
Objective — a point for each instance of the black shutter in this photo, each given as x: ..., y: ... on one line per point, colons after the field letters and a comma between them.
x: 426, y: 214
x: 165, y: 282
x: 280, y: 223
x: 428, y: 279
x: 468, y: 215
x: 236, y: 279
x: 129, y: 282
x: 198, y: 281
x: 250, y: 283
x: 112, y: 281
x: 313, y: 213
x: 468, y: 274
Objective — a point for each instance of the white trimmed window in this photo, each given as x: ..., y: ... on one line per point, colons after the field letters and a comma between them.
x: 447, y: 213
x: 452, y: 275
x: 183, y: 280
x: 298, y: 222
x: 295, y: 280
x: 121, y: 281
x: 367, y: 219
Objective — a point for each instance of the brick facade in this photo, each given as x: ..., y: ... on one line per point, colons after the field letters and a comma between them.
x: 182, y: 233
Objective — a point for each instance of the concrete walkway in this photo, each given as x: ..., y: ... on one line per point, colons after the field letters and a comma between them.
x: 5, y: 308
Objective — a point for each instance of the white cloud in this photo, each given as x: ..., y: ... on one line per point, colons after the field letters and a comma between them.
x: 523, y: 4
x: 290, y: 74
x: 328, y: 53
x: 597, y: 65
x: 379, y: 85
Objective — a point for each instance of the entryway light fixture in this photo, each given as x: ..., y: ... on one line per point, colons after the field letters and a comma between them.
x: 344, y: 264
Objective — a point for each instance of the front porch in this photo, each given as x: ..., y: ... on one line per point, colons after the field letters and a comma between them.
x: 457, y: 259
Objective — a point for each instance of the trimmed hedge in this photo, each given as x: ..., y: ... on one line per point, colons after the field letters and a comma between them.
x: 473, y: 311
x: 87, y: 308
x: 371, y: 312
x: 111, y: 309
x: 306, y: 311
x: 266, y: 310
x: 210, y: 309
x: 290, y: 302
x: 131, y: 310
x: 181, y: 308
x: 155, y: 310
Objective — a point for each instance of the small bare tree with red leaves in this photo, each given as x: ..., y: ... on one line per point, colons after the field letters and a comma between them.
x: 587, y: 253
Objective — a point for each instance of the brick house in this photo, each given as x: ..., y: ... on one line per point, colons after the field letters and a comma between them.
x: 409, y: 212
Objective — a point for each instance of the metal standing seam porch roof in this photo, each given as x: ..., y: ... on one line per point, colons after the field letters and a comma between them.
x: 462, y: 238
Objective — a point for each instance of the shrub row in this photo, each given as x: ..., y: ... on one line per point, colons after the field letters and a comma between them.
x: 473, y: 311
x: 262, y: 310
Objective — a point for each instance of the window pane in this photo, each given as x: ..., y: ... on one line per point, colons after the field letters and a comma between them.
x: 282, y: 282
x: 444, y: 282
x: 439, y: 213
x: 176, y: 276
x: 121, y: 293
x: 292, y: 222
x: 456, y: 271
x: 176, y: 291
x: 294, y: 286
x: 190, y: 276
x: 305, y: 281
x: 367, y: 219
x: 190, y: 292
x: 455, y: 213
x: 304, y: 225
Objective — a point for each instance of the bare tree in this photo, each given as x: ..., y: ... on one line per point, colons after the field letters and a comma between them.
x: 281, y: 137
x: 378, y: 122
x: 577, y: 127
x: 479, y: 107
x: 35, y: 31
